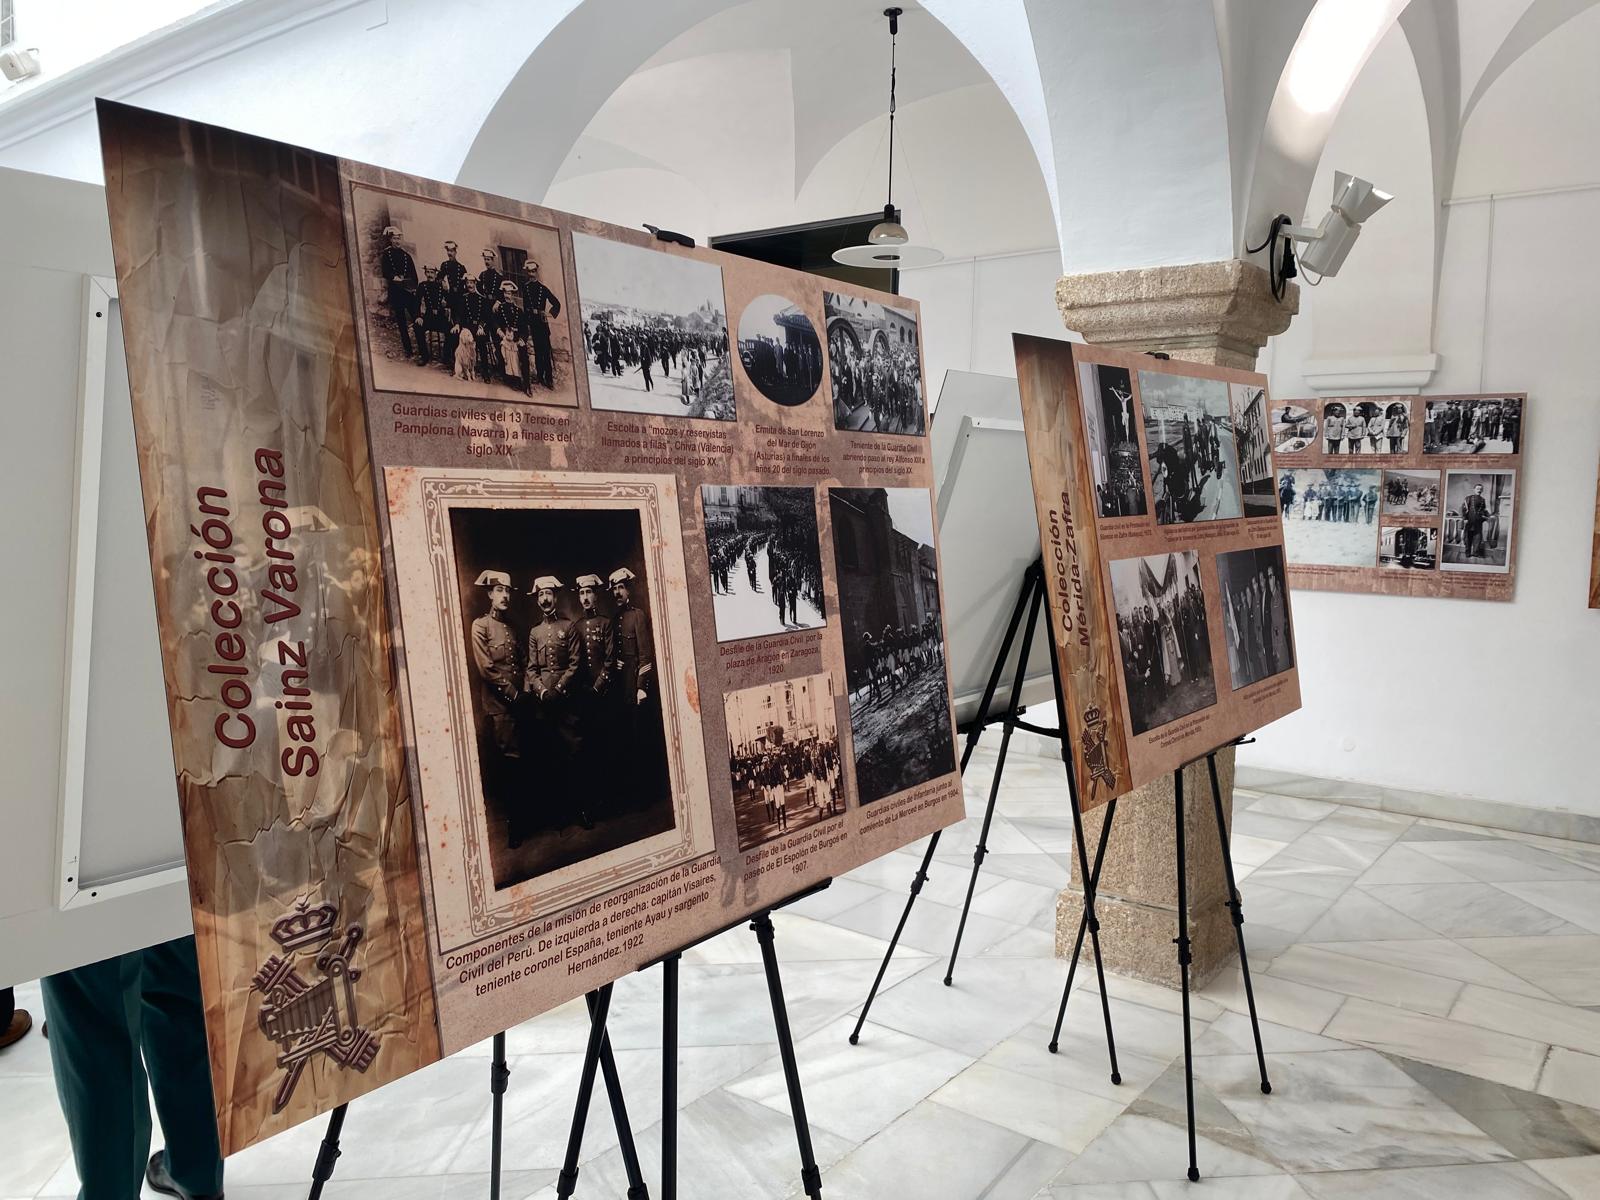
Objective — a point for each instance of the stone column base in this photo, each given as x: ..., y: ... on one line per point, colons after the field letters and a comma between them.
x: 1137, y: 940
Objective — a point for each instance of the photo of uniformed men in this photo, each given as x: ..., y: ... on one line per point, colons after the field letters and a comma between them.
x: 655, y: 331
x: 875, y: 364
x: 1329, y: 515
x: 1486, y: 425
x: 1164, y: 639
x: 1366, y: 426
x: 783, y: 755
x: 461, y: 302
x: 1477, y: 521
x: 1255, y: 614
x: 560, y: 647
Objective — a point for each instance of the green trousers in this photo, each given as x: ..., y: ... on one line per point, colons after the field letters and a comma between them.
x: 121, y: 1029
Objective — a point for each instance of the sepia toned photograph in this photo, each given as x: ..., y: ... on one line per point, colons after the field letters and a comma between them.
x: 1408, y: 547
x: 1294, y: 428
x: 1253, y: 449
x: 779, y: 350
x: 1477, y: 521
x: 559, y: 642
x: 1163, y: 636
x: 1480, y: 425
x: 896, y: 677
x: 766, y: 565
x: 655, y: 331
x: 1106, y: 393
x: 1329, y: 515
x: 783, y: 754
x: 1188, y: 431
x: 1409, y: 493
x: 875, y: 362
x: 1255, y: 614
x: 462, y: 302
x: 1366, y: 426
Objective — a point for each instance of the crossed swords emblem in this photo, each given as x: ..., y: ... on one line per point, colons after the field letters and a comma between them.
x: 307, y: 1019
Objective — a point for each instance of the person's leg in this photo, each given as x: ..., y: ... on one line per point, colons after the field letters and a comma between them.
x: 173, y: 1036
x: 100, y: 1080
x: 14, y: 1022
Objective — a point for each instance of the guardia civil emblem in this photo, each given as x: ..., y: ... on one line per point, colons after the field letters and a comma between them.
x: 1094, y: 747
x: 307, y: 1019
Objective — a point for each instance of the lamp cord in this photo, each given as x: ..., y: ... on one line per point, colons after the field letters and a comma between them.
x: 893, y: 37
x: 1280, y: 281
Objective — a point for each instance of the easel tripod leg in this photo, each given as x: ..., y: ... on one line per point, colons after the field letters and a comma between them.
x: 669, y: 1077
x: 600, y: 1005
x: 917, y: 880
x: 619, y: 1114
x: 810, y: 1175
x: 499, y: 1077
x: 1088, y: 922
x: 327, y: 1154
x: 1236, y: 909
x: 1182, y: 941
x: 1009, y: 725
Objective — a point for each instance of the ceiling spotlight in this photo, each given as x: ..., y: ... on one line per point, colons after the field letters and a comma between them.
x: 888, y: 245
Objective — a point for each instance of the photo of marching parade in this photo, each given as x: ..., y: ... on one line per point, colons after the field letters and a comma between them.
x: 1477, y: 521
x: 1252, y: 446
x: 1106, y: 393
x: 655, y: 331
x: 461, y: 302
x: 560, y: 645
x: 1408, y: 547
x: 875, y: 364
x: 1488, y: 426
x: 1161, y: 629
x: 1188, y: 431
x: 897, y: 685
x: 1411, y: 493
x: 1294, y: 428
x: 1328, y: 515
x: 766, y: 566
x: 1255, y: 614
x: 779, y: 350
x: 1366, y: 426
x: 783, y: 751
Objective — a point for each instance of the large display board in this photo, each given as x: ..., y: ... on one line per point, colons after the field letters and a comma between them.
x: 522, y: 620
x: 1163, y: 556
x: 1403, y: 495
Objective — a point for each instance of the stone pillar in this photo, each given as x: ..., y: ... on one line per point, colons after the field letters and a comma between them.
x: 1220, y: 313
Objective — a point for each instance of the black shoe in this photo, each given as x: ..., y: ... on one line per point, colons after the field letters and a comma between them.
x: 155, y: 1174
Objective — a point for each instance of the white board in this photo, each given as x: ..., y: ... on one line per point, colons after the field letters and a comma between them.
x: 988, y: 535
x: 91, y: 864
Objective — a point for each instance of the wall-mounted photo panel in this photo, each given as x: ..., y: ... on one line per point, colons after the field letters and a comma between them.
x: 1414, y: 446
x: 1170, y: 623
x: 502, y: 663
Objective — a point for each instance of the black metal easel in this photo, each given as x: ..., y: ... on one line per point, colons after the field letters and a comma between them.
x: 1235, y: 910
x: 1030, y: 600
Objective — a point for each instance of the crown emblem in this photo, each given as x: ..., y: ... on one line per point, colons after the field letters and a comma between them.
x: 305, y: 926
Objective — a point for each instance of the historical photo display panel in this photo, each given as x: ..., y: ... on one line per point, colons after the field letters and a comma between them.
x: 1406, y: 495
x: 1171, y: 623
x: 504, y: 712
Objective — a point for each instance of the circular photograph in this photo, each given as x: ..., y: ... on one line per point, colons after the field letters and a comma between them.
x: 779, y: 350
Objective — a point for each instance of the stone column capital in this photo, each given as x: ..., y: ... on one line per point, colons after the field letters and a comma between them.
x: 1220, y: 313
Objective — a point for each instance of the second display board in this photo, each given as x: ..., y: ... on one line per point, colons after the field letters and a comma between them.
x: 1163, y: 556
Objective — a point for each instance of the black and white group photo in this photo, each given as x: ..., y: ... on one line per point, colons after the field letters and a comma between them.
x: 896, y: 676
x: 655, y: 331
x: 1294, y: 428
x: 875, y: 362
x: 1408, y: 547
x: 783, y: 752
x: 1409, y: 493
x: 779, y: 350
x: 1253, y: 450
x: 1329, y: 515
x: 1487, y: 426
x: 1188, y: 433
x: 462, y: 302
x: 1477, y: 521
x: 1255, y: 614
x: 1366, y: 426
x: 1163, y: 636
x: 764, y: 557
x: 559, y: 642
x: 1112, y: 439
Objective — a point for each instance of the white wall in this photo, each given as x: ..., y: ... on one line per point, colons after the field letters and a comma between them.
x: 1465, y: 698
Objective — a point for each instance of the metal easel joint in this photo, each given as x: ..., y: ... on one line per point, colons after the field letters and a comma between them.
x: 1184, y: 957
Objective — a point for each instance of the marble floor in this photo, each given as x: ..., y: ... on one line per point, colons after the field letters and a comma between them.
x: 1430, y: 995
